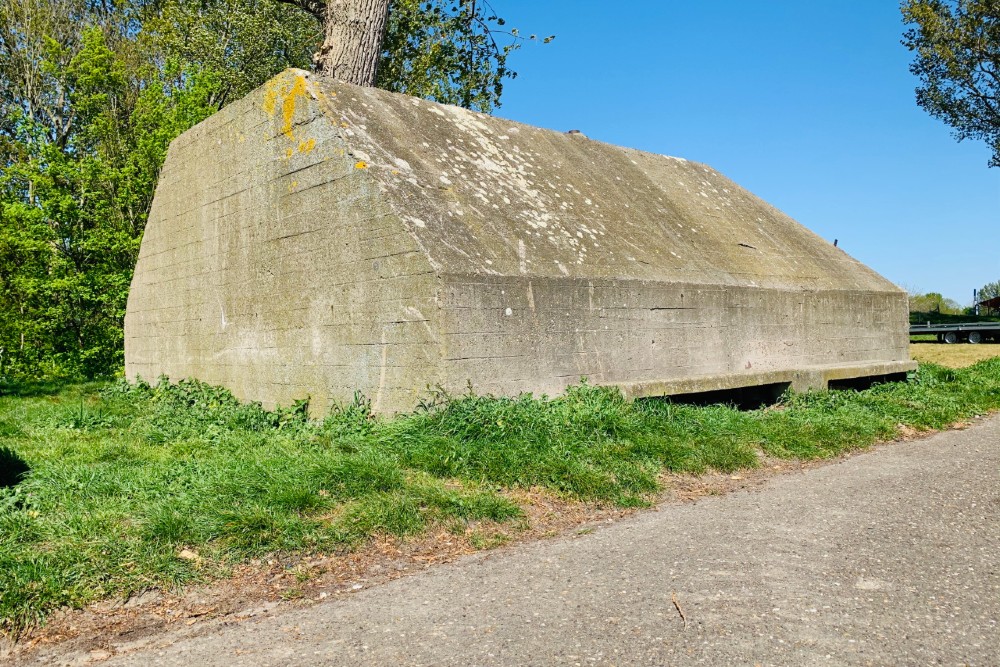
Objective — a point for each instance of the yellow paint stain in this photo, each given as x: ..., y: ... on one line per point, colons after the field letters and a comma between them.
x: 343, y: 123
x: 292, y: 186
x: 288, y: 105
x: 287, y: 92
x: 307, y: 146
x: 270, y: 97
x: 289, y: 152
x: 361, y: 164
x: 395, y: 172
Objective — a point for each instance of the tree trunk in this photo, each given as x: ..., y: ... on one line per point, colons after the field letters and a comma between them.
x: 353, y: 41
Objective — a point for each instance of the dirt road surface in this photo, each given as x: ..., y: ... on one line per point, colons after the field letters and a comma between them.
x: 888, y: 558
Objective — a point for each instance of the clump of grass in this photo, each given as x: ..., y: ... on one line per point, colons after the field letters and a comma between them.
x: 119, y: 487
x: 589, y: 443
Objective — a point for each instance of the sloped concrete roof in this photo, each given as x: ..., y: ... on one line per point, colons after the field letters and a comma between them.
x: 484, y: 195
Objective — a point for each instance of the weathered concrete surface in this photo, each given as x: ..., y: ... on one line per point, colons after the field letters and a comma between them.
x: 317, y: 238
x: 889, y: 558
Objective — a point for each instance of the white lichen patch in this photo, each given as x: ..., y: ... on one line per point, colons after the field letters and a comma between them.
x: 466, y: 180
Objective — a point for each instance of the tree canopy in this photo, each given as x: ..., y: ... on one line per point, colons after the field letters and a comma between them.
x: 989, y: 291
x: 956, y: 44
x: 449, y: 51
x: 91, y: 94
x: 933, y: 302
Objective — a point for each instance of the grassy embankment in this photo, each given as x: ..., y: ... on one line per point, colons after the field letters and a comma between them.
x: 938, y: 357
x: 958, y: 355
x: 106, y: 491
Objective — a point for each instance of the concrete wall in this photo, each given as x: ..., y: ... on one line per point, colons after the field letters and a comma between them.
x: 315, y: 239
x: 272, y: 265
x: 509, y: 335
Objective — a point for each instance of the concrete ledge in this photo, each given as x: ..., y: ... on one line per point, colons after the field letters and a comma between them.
x: 801, y: 379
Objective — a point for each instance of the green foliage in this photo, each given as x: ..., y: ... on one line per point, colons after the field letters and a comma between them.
x: 74, y: 195
x: 448, y: 52
x: 91, y: 94
x: 933, y: 302
x: 957, y: 59
x: 989, y: 291
x: 242, y: 42
x: 113, y: 488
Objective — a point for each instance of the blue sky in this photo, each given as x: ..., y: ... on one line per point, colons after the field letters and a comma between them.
x: 808, y: 104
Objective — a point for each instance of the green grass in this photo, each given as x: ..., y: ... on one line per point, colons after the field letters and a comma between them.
x: 102, y: 488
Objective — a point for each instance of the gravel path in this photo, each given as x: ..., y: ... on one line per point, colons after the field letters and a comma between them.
x: 888, y: 558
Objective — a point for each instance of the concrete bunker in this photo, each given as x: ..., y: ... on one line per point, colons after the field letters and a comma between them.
x: 316, y: 238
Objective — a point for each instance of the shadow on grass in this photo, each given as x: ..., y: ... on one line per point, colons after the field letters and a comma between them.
x: 740, y: 398
x: 31, y: 389
x: 12, y: 468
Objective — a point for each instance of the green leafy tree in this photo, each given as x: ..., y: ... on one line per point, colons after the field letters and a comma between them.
x: 933, y: 302
x: 92, y: 93
x: 242, y: 42
x: 449, y: 51
x: 80, y: 166
x: 989, y: 291
x: 957, y: 59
